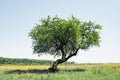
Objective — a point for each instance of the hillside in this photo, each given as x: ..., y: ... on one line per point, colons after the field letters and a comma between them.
x: 18, y: 61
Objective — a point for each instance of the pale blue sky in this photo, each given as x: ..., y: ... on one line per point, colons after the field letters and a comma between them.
x: 18, y: 17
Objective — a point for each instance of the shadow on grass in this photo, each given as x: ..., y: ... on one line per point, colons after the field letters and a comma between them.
x: 75, y: 70
x: 44, y: 71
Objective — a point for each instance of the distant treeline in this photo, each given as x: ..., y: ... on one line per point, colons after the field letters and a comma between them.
x: 17, y: 61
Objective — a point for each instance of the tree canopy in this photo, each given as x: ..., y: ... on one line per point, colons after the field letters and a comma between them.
x: 64, y: 37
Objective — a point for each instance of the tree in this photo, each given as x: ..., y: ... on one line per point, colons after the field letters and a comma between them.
x: 64, y: 37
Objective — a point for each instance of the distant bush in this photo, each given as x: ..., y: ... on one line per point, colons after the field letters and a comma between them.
x: 17, y: 61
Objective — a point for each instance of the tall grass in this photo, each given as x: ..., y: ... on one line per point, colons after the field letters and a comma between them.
x: 73, y: 72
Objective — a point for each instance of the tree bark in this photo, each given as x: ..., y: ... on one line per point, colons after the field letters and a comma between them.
x: 53, y: 68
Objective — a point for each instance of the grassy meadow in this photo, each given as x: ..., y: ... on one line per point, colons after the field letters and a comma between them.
x: 66, y: 72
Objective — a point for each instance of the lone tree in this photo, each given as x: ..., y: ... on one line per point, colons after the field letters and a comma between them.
x: 61, y: 37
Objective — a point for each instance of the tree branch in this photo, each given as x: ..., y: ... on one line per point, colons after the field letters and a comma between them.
x: 74, y: 54
x: 63, y: 53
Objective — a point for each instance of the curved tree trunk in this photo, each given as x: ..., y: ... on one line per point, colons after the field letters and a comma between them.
x: 53, y: 68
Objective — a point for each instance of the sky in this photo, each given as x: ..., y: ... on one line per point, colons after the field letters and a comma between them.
x: 18, y: 17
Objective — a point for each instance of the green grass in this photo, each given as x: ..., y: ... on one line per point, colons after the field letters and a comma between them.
x: 86, y: 72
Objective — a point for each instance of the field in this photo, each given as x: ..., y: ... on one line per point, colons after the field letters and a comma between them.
x: 66, y: 72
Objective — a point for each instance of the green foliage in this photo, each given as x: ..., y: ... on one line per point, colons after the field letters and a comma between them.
x: 17, y: 61
x: 57, y: 36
